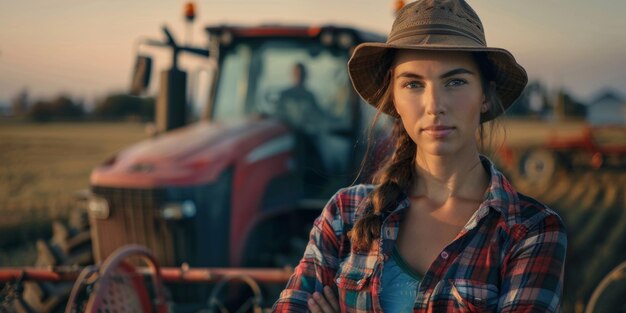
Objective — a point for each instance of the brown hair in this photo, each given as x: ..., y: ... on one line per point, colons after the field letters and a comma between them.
x: 396, y: 177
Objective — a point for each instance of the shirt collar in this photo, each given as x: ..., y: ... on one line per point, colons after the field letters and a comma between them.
x: 500, y: 194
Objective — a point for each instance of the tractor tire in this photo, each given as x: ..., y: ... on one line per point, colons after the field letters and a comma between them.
x: 609, y: 294
x: 538, y: 166
x: 278, y: 243
x: 68, y: 246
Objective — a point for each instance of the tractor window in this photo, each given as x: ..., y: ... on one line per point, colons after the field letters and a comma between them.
x: 301, y: 82
x: 231, y: 93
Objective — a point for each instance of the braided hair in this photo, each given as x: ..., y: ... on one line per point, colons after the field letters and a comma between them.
x: 393, y: 180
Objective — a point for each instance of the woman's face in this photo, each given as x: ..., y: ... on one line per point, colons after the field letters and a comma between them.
x: 439, y: 97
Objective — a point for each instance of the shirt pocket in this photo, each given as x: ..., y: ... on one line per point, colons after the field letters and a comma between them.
x: 351, y: 276
x: 468, y: 296
x: 351, y: 279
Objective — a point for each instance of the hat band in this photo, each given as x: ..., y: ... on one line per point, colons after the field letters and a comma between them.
x: 436, y: 29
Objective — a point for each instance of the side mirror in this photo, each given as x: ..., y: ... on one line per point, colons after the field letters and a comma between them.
x: 141, y: 75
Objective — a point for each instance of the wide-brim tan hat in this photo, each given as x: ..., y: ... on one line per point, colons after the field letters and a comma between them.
x: 432, y: 25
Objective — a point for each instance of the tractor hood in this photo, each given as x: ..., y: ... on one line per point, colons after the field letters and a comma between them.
x: 191, y: 155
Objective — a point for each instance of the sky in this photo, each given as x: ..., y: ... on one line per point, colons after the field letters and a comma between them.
x: 86, y: 48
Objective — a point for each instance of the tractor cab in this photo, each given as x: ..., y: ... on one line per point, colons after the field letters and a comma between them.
x: 294, y: 74
x: 297, y: 75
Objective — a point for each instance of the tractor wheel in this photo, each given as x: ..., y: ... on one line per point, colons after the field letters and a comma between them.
x: 280, y: 242
x: 538, y: 166
x: 68, y: 246
x: 609, y: 295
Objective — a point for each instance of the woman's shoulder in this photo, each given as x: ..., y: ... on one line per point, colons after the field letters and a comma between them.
x: 350, y: 202
x: 533, y: 213
x: 520, y: 211
x: 526, y: 215
x: 355, y: 192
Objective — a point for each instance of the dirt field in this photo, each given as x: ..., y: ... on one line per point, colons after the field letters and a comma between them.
x: 592, y: 204
x: 43, y: 165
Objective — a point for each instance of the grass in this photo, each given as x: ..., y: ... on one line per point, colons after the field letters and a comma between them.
x: 43, y: 165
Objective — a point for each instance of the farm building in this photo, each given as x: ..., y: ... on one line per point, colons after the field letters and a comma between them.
x: 607, y: 109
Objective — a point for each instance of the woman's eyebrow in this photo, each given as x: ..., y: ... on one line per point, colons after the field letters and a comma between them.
x: 456, y: 71
x: 409, y: 75
x: 453, y: 72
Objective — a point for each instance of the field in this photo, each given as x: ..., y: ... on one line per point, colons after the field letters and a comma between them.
x: 41, y: 168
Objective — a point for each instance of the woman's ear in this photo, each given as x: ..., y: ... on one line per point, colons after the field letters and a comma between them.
x: 486, y: 104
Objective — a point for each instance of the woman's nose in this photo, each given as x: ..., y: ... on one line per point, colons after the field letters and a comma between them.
x: 433, y: 101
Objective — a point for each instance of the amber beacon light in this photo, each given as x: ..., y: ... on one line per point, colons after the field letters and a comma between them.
x: 397, y: 5
x: 190, y: 11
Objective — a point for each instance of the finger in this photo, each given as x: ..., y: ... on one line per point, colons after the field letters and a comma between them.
x: 313, y: 307
x: 330, y: 297
x: 322, y: 303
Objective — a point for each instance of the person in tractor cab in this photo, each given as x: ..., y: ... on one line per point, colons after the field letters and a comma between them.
x: 441, y: 229
x: 297, y: 105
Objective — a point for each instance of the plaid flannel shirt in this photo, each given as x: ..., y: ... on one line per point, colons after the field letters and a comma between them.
x: 509, y: 257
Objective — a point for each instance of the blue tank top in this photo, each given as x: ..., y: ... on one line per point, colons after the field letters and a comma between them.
x: 398, y: 285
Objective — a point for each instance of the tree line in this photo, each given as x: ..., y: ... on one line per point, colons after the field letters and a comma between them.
x: 535, y: 102
x: 117, y: 106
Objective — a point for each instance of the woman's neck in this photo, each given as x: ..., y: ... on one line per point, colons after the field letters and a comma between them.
x: 440, y: 178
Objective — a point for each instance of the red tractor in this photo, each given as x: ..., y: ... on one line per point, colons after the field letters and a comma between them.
x: 281, y: 131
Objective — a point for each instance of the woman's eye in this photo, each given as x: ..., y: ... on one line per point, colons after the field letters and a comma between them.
x: 412, y: 85
x: 456, y: 82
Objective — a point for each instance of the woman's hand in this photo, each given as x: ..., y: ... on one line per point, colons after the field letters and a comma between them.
x: 324, y: 303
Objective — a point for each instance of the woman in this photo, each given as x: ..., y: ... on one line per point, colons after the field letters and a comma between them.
x: 442, y: 230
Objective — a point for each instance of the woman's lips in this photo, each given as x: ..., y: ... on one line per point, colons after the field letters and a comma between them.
x: 438, y: 132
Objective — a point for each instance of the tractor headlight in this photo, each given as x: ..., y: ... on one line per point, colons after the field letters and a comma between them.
x: 178, y: 210
x: 98, y: 207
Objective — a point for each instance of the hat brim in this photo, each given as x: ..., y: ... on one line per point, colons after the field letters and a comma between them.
x: 369, y: 63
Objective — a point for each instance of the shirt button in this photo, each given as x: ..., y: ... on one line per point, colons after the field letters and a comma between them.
x: 445, y: 255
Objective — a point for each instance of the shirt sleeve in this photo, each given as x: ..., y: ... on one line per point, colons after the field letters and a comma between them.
x: 533, y: 269
x: 319, y: 264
